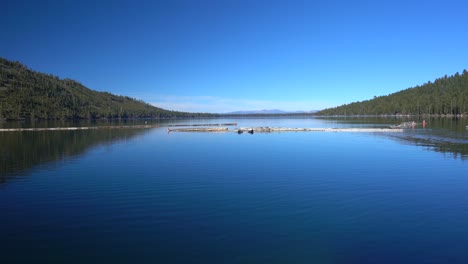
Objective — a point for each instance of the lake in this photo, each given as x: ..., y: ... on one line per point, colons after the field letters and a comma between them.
x: 148, y: 196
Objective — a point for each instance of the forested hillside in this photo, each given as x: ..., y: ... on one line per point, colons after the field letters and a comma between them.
x: 25, y: 93
x: 444, y: 96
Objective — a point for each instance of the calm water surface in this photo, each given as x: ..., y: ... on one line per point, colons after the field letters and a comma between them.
x: 145, y: 196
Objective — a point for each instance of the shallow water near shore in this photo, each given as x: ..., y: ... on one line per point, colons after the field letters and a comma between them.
x: 148, y: 196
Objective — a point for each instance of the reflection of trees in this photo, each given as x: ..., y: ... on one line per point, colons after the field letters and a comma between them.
x: 21, y: 151
x: 456, y: 147
x: 444, y: 135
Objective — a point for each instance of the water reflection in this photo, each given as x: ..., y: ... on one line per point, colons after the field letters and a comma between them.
x: 452, y: 146
x: 21, y: 151
x: 445, y: 135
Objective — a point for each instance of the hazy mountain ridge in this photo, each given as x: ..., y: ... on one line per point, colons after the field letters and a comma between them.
x: 268, y: 112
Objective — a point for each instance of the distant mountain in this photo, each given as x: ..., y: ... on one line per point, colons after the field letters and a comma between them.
x: 444, y: 96
x: 268, y: 112
x: 305, y: 112
x: 25, y: 93
x: 255, y: 112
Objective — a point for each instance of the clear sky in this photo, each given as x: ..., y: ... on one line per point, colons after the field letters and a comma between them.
x: 228, y: 55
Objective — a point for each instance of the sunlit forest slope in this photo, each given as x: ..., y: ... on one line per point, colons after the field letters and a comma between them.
x: 25, y: 93
x: 445, y: 96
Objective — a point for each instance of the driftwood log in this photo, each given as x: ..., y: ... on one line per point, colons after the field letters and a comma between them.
x: 195, y: 129
x: 197, y: 125
x: 241, y: 130
x: 286, y: 129
x: 253, y: 130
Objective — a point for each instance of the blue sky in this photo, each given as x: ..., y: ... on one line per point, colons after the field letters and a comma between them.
x: 228, y: 55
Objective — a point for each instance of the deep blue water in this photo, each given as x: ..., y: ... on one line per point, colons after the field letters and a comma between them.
x: 146, y: 196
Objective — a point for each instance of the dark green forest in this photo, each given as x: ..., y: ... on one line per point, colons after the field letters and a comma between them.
x: 27, y: 94
x: 444, y: 96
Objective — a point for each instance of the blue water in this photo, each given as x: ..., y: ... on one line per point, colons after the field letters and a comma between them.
x: 151, y: 197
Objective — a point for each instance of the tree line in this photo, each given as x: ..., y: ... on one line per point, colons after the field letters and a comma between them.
x: 25, y: 94
x: 445, y: 96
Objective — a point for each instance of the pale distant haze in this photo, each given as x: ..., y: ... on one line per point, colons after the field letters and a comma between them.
x: 233, y: 55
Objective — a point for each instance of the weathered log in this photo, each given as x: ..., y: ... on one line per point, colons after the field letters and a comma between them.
x: 252, y: 130
x: 196, y: 125
x: 194, y: 129
x: 406, y: 125
x: 285, y: 129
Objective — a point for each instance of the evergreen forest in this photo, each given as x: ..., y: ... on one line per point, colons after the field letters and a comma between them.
x: 27, y: 94
x: 445, y: 96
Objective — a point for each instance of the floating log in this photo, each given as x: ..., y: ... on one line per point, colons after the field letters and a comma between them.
x: 45, y: 129
x: 252, y: 130
x: 283, y: 129
x: 196, y: 125
x: 194, y: 129
x: 74, y: 128
x: 406, y: 125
